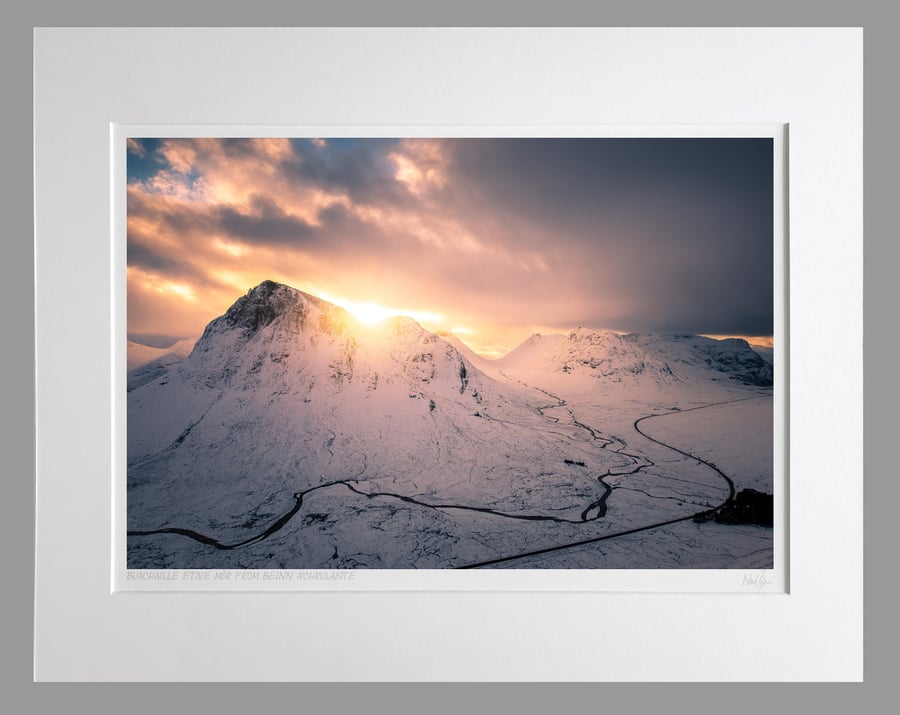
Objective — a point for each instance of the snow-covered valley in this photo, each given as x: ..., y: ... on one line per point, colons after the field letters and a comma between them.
x: 293, y: 436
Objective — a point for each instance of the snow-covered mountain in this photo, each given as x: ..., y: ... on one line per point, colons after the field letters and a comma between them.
x: 278, y: 345
x: 287, y: 393
x: 639, y: 357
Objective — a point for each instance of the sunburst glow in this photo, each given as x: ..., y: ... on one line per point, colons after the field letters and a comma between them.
x: 370, y: 313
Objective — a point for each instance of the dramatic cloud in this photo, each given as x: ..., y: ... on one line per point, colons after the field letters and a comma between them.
x: 497, y: 238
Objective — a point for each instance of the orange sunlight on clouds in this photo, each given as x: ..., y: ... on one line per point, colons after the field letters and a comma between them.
x: 503, y: 238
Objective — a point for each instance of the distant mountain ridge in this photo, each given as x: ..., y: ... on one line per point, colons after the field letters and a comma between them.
x: 146, y: 363
x: 613, y: 357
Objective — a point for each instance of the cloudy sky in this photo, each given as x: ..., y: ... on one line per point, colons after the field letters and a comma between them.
x: 494, y: 239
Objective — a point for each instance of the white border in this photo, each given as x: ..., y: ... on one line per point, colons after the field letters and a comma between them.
x: 772, y: 580
x: 85, y: 79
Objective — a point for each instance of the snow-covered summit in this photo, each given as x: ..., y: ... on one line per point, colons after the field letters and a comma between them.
x: 270, y: 302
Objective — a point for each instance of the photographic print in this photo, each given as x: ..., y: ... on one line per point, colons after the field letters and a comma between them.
x: 450, y: 353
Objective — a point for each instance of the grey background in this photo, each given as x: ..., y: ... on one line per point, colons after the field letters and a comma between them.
x: 18, y: 694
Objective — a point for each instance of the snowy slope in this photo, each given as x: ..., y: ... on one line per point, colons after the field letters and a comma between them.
x: 482, y: 363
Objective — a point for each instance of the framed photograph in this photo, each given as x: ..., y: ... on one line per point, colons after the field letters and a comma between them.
x: 305, y: 430
x: 501, y: 334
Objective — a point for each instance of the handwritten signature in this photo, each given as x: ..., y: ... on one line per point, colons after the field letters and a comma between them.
x: 757, y: 580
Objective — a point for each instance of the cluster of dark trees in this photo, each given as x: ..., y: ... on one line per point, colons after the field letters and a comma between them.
x: 748, y: 507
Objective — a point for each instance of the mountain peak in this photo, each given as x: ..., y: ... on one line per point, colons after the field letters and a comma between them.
x: 263, y: 304
x: 267, y: 285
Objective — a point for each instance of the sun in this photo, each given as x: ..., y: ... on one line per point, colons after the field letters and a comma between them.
x: 369, y: 313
